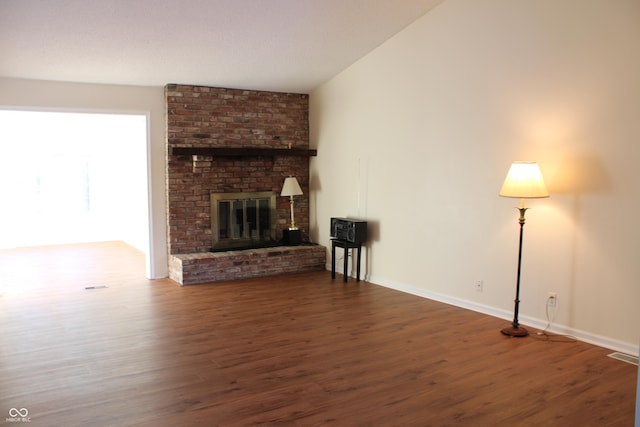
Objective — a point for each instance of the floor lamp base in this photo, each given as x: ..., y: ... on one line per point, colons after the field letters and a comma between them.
x: 515, y: 332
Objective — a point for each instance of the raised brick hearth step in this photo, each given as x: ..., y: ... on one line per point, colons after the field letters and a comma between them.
x: 191, y: 269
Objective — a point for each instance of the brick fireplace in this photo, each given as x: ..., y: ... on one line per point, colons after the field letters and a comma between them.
x: 234, y: 141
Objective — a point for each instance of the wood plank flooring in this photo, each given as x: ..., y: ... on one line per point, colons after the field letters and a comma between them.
x: 299, y: 350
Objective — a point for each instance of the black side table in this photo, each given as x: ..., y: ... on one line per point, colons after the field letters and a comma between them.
x: 346, y: 246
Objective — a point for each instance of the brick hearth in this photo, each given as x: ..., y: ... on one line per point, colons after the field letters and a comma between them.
x: 191, y: 269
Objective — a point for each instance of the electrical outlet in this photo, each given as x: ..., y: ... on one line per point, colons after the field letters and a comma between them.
x: 479, y: 285
x: 552, y: 299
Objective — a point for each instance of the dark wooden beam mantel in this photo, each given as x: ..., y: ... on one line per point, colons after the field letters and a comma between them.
x: 241, y: 152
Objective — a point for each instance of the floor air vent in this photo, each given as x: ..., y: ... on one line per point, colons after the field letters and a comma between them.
x: 88, y: 288
x: 624, y: 357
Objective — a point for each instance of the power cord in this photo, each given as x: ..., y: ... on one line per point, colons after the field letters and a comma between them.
x: 549, y: 320
x: 548, y: 336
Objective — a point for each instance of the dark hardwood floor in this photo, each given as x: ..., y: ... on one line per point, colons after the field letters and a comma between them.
x: 297, y: 350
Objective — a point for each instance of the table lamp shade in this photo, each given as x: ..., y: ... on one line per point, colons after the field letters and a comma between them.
x: 291, y: 187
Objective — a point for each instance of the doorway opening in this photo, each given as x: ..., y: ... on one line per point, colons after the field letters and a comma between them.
x: 68, y: 177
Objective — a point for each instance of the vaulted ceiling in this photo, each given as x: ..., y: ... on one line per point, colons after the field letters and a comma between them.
x: 278, y: 45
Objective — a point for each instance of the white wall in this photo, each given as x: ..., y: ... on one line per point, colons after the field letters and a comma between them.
x: 417, y: 137
x: 76, y: 97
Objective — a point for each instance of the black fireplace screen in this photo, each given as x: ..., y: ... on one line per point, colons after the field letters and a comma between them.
x: 242, y: 220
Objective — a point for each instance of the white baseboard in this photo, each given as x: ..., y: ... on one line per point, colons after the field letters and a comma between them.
x: 580, y: 335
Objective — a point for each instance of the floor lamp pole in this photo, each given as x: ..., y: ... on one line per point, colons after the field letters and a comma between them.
x: 515, y: 330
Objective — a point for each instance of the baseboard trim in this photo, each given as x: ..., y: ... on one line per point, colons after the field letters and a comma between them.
x: 580, y: 335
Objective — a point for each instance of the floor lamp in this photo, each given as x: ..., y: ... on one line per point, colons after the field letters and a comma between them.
x: 523, y: 181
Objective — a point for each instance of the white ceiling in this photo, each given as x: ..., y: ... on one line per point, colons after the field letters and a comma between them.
x: 278, y: 45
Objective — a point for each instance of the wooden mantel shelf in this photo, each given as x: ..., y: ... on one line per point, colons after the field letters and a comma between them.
x: 242, y: 152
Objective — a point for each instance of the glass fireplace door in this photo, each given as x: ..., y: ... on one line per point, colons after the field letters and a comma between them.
x: 242, y: 219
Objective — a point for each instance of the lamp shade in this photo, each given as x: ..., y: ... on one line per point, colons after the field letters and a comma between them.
x: 291, y: 187
x: 524, y: 181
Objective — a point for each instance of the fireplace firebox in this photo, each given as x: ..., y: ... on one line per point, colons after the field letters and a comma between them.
x: 243, y: 220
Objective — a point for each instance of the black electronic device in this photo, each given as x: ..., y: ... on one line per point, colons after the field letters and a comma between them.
x: 291, y: 237
x: 349, y: 230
